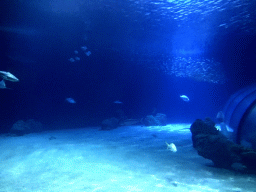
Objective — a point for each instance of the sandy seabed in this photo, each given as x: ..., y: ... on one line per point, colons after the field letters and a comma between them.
x: 130, y: 158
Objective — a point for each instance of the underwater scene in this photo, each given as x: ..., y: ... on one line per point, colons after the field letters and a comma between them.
x: 128, y: 95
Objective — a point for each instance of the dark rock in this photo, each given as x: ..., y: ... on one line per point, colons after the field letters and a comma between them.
x: 19, y: 128
x: 161, y: 119
x: 30, y: 126
x: 109, y: 124
x: 249, y: 158
x: 211, y: 144
x: 158, y: 120
x: 150, y: 120
x: 217, y: 148
x: 202, y: 127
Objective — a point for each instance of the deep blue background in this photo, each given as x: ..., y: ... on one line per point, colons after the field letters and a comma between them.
x: 37, y: 41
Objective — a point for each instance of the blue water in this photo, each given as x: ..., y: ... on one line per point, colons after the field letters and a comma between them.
x: 143, y: 53
x: 81, y: 62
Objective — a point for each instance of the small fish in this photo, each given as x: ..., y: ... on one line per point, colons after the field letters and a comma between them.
x: 84, y: 48
x: 184, y: 98
x: 2, y: 85
x: 88, y: 53
x: 171, y: 147
x: 8, y: 76
x: 70, y: 100
x: 72, y: 60
x: 118, y: 102
x: 76, y: 52
x: 77, y: 58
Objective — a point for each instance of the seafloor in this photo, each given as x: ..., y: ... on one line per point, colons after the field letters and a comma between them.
x: 130, y: 158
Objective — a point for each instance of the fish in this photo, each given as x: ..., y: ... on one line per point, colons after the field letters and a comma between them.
x: 184, y: 98
x: 2, y: 85
x: 118, y: 102
x: 70, y: 100
x: 72, y: 60
x: 171, y: 147
x: 8, y: 76
x: 77, y: 58
x: 84, y: 48
x: 88, y: 53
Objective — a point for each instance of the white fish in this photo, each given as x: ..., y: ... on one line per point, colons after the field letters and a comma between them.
x: 171, y: 147
x: 184, y: 98
x: 226, y: 130
x: 8, y: 76
x: 70, y: 100
x: 118, y: 102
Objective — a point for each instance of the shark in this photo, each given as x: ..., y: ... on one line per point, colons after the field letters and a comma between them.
x: 2, y: 85
x: 8, y: 76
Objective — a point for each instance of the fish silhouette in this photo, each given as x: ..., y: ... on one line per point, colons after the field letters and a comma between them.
x: 70, y: 100
x: 8, y: 76
x: 2, y: 85
x: 184, y: 98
